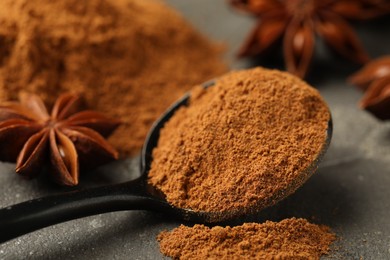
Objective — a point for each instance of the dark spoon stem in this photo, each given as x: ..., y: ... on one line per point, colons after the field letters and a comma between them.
x: 35, y: 214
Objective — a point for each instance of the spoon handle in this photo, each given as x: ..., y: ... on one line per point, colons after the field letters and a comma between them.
x: 35, y: 214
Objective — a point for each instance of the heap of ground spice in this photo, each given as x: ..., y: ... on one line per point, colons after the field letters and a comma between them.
x: 131, y: 59
x: 288, y: 239
x: 242, y: 144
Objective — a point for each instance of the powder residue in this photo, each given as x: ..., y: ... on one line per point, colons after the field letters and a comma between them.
x: 241, y: 144
x: 130, y: 58
x: 288, y: 239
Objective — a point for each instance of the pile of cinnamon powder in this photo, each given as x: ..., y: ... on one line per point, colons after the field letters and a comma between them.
x: 130, y: 58
x: 289, y: 239
x: 240, y: 143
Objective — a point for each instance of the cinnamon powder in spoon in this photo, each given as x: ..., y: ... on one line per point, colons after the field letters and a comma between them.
x: 289, y: 239
x: 248, y: 137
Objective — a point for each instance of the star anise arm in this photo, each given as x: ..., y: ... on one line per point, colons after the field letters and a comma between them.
x: 94, y: 120
x: 257, y: 7
x: 298, y: 47
x: 30, y: 160
x: 370, y: 72
x: 360, y: 9
x: 266, y: 32
x: 12, y: 110
x: 64, y: 161
x: 35, y: 105
x: 340, y: 36
x: 67, y: 104
x: 13, y: 135
x: 92, y: 148
x: 377, y: 98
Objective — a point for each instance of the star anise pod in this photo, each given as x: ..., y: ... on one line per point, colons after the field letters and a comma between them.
x: 374, y: 79
x: 298, y: 21
x: 68, y: 136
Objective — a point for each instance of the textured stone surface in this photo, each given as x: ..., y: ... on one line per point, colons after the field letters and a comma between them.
x: 350, y: 192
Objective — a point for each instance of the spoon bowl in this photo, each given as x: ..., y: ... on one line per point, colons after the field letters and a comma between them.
x: 137, y: 194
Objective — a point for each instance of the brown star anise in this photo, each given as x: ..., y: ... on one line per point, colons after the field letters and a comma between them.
x: 66, y: 137
x: 374, y: 79
x: 298, y: 21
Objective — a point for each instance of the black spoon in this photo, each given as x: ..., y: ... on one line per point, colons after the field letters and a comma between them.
x: 35, y: 214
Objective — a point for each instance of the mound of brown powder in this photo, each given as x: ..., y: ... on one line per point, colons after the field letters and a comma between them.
x: 131, y: 58
x: 289, y: 239
x: 241, y: 143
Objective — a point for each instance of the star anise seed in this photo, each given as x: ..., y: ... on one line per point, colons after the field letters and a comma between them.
x: 67, y: 137
x: 374, y: 79
x: 298, y: 21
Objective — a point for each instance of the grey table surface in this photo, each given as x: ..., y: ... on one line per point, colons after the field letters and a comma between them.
x: 350, y: 192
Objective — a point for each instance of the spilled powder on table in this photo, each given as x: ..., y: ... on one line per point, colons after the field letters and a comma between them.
x: 288, y: 239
